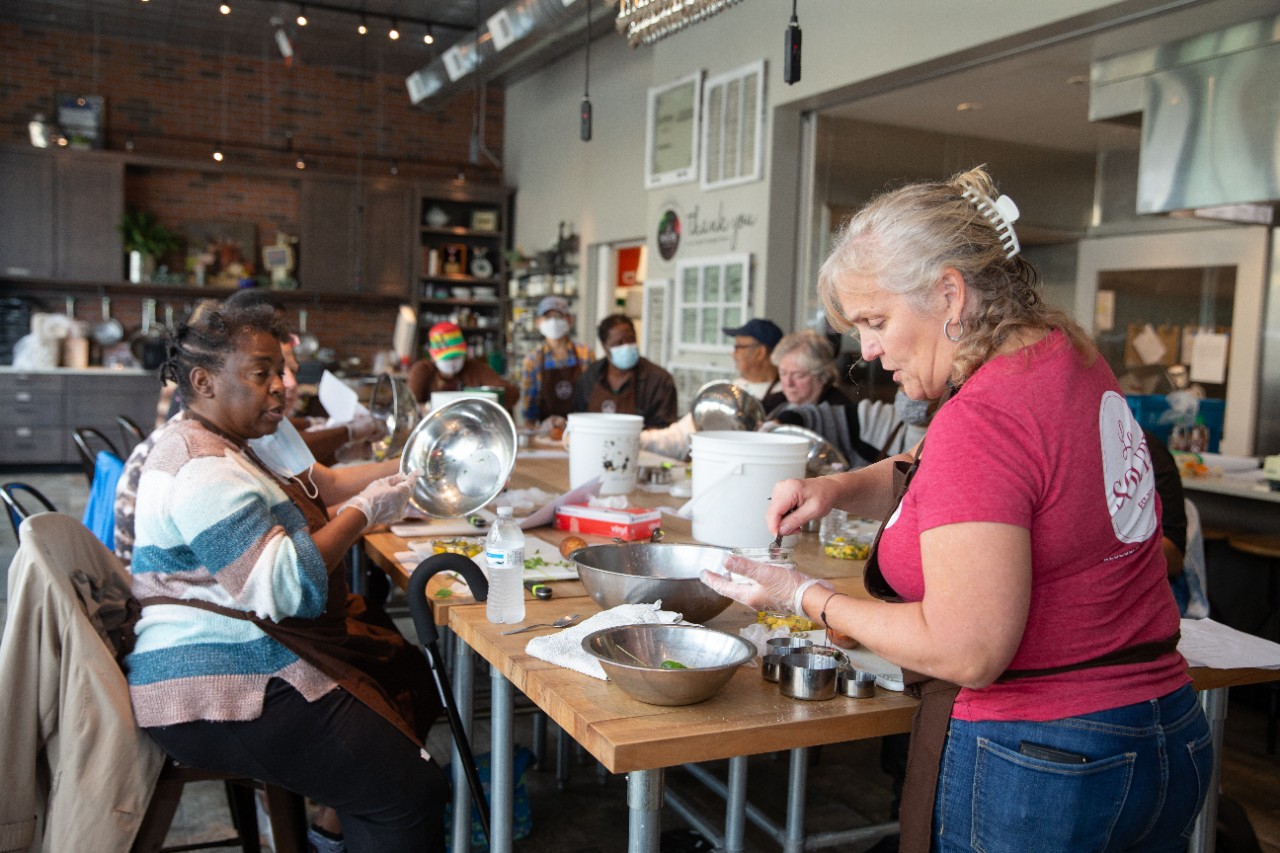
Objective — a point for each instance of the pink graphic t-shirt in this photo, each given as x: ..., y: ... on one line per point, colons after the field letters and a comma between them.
x: 1042, y: 441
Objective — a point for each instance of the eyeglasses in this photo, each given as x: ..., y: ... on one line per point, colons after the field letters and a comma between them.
x: 746, y: 346
x: 797, y: 375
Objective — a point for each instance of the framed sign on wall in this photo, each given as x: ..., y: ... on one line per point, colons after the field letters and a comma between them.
x: 711, y: 294
x: 671, y: 137
x: 733, y: 127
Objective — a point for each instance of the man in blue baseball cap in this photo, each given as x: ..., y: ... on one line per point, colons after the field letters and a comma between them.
x: 549, y: 372
x: 753, y: 344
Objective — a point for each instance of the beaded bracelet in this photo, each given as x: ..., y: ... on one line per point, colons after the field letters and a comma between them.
x: 823, y: 615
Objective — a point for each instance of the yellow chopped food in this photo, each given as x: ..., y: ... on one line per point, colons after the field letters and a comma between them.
x: 846, y: 549
x: 465, y: 547
x: 783, y: 620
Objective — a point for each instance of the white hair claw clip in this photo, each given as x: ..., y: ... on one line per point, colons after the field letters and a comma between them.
x: 1001, y: 213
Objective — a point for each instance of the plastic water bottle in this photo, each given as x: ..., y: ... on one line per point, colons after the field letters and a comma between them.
x: 504, y: 552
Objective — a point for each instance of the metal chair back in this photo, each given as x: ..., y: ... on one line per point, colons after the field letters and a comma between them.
x: 17, y: 510
x: 88, y: 441
x: 132, y: 433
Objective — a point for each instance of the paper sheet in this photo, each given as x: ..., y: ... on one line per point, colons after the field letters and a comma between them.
x: 338, y: 399
x: 552, y: 568
x: 1209, y: 358
x: 545, y: 514
x: 1148, y: 346
x: 1212, y: 644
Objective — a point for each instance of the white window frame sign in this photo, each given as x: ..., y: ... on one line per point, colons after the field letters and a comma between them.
x: 733, y: 116
x: 713, y: 307
x: 655, y: 320
x: 671, y: 132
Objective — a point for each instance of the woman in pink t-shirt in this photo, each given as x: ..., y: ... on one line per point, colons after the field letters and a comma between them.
x: 1023, y: 564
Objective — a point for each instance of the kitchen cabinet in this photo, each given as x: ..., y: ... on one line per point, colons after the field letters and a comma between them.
x: 40, y: 408
x: 58, y: 214
x: 355, y: 238
x: 461, y: 269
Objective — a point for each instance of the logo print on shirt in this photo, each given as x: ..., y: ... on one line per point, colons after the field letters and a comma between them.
x: 1126, y: 471
x: 608, y: 407
x: 564, y: 389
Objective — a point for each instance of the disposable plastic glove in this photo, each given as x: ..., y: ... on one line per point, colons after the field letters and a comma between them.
x: 365, y: 428
x: 762, y: 586
x: 383, y: 501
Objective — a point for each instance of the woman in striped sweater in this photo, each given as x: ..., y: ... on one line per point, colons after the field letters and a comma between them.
x: 248, y: 656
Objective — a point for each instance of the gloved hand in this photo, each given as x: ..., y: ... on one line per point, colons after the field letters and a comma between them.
x: 764, y: 586
x: 365, y: 428
x: 383, y: 501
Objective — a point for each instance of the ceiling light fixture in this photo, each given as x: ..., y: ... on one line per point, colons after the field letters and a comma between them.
x: 791, y: 49
x: 428, y: 37
x: 363, y: 29
x: 584, y: 110
x: 647, y: 21
x: 394, y: 32
x: 301, y: 162
x: 225, y: 8
x: 968, y: 106
x: 302, y: 16
x: 217, y: 153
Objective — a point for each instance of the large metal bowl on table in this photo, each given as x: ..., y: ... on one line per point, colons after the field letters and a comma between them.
x: 463, y: 453
x: 633, y: 656
x: 645, y: 572
x: 392, y: 403
x: 823, y: 457
x: 721, y: 405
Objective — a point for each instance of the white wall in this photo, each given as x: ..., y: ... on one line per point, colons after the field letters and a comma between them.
x: 599, y: 186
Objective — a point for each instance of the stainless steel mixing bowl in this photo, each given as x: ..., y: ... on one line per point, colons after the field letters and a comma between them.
x: 391, y: 402
x: 823, y: 456
x: 633, y: 656
x: 463, y: 453
x: 721, y: 405
x: 645, y: 572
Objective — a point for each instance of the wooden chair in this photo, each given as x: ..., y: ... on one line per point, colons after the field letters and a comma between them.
x: 286, y: 809
x: 88, y: 441
x: 132, y: 433
x: 17, y: 509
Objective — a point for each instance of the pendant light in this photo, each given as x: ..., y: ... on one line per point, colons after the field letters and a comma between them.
x: 584, y: 111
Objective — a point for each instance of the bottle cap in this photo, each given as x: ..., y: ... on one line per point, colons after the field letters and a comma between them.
x: 504, y: 511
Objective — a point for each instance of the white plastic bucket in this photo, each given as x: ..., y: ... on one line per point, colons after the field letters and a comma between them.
x: 733, y: 475
x: 605, y: 446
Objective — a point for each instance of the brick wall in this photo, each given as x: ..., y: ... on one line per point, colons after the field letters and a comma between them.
x: 182, y: 103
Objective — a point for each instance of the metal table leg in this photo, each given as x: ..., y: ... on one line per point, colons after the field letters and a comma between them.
x: 463, y: 687
x: 644, y: 805
x: 1203, y: 836
x: 735, y: 815
x: 794, y: 842
x: 502, y: 783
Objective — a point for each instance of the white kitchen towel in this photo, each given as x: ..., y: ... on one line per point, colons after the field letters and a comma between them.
x: 564, y: 648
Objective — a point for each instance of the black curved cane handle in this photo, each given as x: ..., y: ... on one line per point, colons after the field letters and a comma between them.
x: 420, y: 606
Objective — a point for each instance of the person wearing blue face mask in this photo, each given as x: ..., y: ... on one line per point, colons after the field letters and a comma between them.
x: 624, y: 382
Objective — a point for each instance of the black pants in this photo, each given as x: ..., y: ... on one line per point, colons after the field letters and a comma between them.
x: 334, y: 751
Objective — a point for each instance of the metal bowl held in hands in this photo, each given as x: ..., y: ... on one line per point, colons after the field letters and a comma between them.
x: 645, y: 572
x: 721, y: 405
x: 392, y: 403
x: 463, y: 453
x: 668, y: 664
x: 824, y: 457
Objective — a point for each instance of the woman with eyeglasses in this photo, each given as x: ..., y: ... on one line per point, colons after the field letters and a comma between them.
x: 625, y: 382
x: 807, y: 370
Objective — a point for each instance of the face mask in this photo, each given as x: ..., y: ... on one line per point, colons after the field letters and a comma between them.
x: 449, y: 367
x: 624, y: 357
x: 553, y: 328
x: 284, y: 451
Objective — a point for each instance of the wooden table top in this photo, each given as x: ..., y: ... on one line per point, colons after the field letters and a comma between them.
x: 552, y: 476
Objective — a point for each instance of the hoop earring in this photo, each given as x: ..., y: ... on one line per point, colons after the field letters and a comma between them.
x: 946, y: 330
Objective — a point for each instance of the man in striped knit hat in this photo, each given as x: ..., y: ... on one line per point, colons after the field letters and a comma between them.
x: 450, y: 369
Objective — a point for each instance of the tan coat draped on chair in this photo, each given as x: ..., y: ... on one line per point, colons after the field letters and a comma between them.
x: 76, y: 771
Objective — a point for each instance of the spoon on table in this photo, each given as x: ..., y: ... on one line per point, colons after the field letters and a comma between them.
x: 562, y: 622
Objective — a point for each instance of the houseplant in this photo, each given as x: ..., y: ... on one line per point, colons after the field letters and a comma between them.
x: 146, y: 240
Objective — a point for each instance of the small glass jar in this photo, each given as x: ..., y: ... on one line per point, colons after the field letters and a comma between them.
x: 846, y: 538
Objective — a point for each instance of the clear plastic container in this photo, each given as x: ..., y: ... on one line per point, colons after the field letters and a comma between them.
x: 504, y: 553
x: 846, y: 538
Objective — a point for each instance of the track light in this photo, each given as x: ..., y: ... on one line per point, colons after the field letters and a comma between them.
x: 302, y: 16
x: 363, y: 29
x: 225, y: 8
x: 301, y: 162
x: 394, y: 32
x: 428, y: 37
x: 217, y: 153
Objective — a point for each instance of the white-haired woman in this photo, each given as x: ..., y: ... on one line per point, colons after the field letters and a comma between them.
x: 1023, y: 563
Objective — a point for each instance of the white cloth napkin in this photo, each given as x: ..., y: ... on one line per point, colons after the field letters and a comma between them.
x: 564, y: 648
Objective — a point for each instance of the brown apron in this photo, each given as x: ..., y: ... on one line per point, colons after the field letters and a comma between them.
x: 358, y: 648
x: 932, y: 718
x: 604, y: 399
x: 555, y: 393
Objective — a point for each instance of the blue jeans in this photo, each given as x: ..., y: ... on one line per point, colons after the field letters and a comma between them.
x: 1139, y: 780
